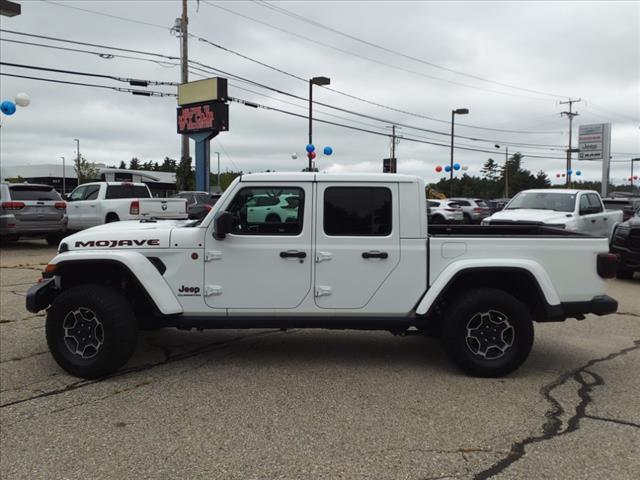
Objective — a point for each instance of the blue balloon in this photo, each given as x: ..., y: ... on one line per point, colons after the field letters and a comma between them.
x: 8, y: 107
x: 310, y: 148
x: 569, y: 172
x: 447, y: 168
x: 578, y: 173
x: 456, y: 166
x: 328, y: 150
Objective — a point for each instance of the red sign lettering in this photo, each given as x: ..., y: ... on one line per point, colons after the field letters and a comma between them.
x: 199, y: 117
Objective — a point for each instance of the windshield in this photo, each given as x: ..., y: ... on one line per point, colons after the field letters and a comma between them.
x: 560, y: 202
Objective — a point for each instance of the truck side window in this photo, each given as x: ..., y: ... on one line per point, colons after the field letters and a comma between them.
x: 357, y: 211
x: 92, y: 192
x: 77, y: 194
x: 268, y: 211
x: 594, y: 202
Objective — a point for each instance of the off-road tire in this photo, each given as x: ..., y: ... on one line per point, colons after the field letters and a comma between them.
x: 53, y: 239
x: 118, y: 324
x: 461, y: 332
x: 438, y: 220
x: 273, y: 218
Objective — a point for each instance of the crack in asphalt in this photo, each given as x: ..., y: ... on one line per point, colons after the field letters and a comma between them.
x: 613, y: 420
x: 630, y: 314
x: 552, y: 428
x: 5, y: 321
x: 17, y: 359
x: 169, y: 358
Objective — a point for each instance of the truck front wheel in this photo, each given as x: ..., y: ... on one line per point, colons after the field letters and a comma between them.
x: 488, y: 332
x: 91, y: 330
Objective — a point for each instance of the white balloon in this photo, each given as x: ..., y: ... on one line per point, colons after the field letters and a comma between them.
x: 294, y: 156
x: 465, y: 167
x: 22, y: 100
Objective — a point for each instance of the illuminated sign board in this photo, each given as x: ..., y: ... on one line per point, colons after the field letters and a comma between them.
x: 203, y: 117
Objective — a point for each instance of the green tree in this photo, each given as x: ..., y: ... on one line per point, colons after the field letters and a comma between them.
x: 185, y: 176
x: 490, y: 170
x: 85, y: 171
x: 134, y: 164
x: 168, y: 165
x: 18, y: 179
x: 122, y: 165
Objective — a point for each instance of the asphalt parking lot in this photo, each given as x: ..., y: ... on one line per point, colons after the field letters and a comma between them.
x: 316, y: 404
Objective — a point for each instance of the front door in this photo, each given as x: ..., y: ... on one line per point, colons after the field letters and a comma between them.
x: 74, y: 211
x: 265, y: 263
x: 357, y: 242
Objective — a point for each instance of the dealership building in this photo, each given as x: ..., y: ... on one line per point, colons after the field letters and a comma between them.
x: 161, y: 184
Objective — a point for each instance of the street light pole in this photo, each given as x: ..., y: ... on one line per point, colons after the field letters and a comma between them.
x: 506, y: 170
x: 218, y: 154
x: 77, y: 156
x: 312, y: 82
x: 632, y: 161
x: 64, y: 190
x: 459, y: 111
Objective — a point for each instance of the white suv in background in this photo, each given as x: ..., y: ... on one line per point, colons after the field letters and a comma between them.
x: 474, y: 210
x: 444, y: 211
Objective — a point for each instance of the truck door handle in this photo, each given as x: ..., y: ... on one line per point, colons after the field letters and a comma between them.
x: 593, y: 221
x: 293, y: 254
x: 605, y: 219
x: 375, y: 254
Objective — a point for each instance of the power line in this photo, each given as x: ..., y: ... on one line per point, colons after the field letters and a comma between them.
x: 131, y: 81
x: 289, y: 13
x: 258, y: 84
x: 371, y: 59
x: 145, y: 93
x: 105, y: 56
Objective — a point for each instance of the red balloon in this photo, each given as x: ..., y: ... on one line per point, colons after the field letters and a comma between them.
x: 557, y: 175
x: 311, y: 155
x: 564, y: 174
x: 635, y: 177
x: 630, y: 178
x: 438, y: 169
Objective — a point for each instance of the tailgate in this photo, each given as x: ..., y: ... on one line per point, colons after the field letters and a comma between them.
x: 163, y: 207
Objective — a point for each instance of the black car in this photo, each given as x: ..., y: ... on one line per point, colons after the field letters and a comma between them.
x: 626, y: 244
x: 198, y: 203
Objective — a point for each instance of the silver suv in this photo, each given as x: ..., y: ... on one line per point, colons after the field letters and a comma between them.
x: 473, y: 209
x: 30, y: 210
x: 443, y: 211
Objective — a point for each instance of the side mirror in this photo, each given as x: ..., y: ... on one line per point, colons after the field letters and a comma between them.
x: 65, y: 197
x: 222, y: 224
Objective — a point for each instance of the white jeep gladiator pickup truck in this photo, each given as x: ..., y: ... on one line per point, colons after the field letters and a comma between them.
x: 575, y: 210
x: 353, y: 252
x: 92, y: 204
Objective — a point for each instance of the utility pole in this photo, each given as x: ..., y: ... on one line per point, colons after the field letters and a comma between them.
x: 184, y: 66
x: 506, y: 172
x: 570, y: 114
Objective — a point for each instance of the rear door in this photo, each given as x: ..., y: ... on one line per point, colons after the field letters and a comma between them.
x: 357, y: 242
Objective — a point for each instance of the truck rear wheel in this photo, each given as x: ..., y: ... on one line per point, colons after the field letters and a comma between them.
x: 91, y: 330
x: 488, y: 332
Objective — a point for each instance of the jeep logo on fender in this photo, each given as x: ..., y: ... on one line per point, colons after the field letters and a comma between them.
x: 118, y: 243
x: 185, y: 291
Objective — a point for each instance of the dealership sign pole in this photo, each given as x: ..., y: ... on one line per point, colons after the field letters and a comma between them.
x: 202, y: 114
x: 594, y: 143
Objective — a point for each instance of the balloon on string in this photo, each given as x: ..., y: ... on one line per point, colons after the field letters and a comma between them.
x: 557, y: 175
x: 635, y: 177
x: 569, y: 172
x: 328, y: 150
x: 438, y: 169
x: 294, y: 156
x: 22, y: 99
x: 310, y: 148
x: 465, y: 167
x: 456, y: 166
x: 578, y: 173
x: 8, y: 107
x: 447, y: 168
x: 312, y: 154
x: 564, y: 174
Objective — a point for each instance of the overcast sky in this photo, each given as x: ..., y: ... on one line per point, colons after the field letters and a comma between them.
x: 549, y: 51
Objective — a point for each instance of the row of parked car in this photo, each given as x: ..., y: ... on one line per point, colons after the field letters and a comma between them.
x: 462, y: 210
x: 33, y: 210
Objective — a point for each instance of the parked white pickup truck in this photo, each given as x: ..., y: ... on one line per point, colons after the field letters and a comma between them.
x: 92, y: 204
x: 574, y: 210
x: 355, y: 252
